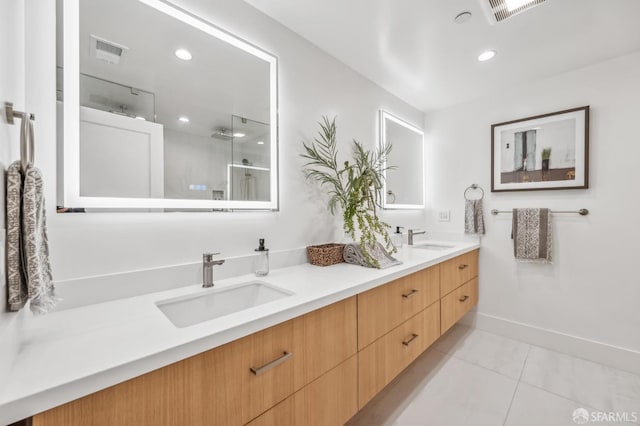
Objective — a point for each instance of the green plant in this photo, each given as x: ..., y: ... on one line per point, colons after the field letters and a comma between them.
x: 546, y: 153
x: 355, y: 186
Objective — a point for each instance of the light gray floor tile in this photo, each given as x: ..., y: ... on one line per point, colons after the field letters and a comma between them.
x: 500, y: 354
x: 393, y: 399
x: 460, y: 394
x: 532, y: 406
x: 592, y: 384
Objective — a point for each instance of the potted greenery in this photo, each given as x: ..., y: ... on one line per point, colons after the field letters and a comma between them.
x: 354, y: 186
x: 546, y: 155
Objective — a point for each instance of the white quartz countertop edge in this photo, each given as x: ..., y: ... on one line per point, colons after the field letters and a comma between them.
x: 69, y: 354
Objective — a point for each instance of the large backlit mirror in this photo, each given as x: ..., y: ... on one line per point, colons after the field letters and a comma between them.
x: 162, y: 110
x: 404, y: 182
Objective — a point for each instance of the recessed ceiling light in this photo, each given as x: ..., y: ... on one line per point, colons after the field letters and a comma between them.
x: 139, y: 117
x: 260, y: 142
x: 516, y: 4
x: 486, y: 55
x: 183, y: 119
x: 463, y: 17
x: 238, y: 135
x: 183, y: 54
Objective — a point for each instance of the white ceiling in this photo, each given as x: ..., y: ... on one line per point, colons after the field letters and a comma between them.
x: 414, y: 49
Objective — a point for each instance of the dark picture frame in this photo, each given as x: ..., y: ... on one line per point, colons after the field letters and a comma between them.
x: 542, y: 152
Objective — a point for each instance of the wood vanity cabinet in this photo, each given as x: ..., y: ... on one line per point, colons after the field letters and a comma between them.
x: 394, y: 329
x: 316, y: 369
x: 228, y: 385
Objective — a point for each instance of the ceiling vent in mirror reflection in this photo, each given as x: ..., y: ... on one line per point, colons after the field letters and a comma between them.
x: 106, y: 50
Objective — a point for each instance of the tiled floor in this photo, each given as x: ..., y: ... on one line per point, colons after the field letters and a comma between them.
x: 471, y: 377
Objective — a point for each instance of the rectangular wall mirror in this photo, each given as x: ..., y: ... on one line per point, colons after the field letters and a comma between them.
x: 404, y: 183
x: 161, y: 110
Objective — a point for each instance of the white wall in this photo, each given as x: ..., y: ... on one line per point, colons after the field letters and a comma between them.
x: 310, y: 84
x: 592, y: 290
x: 12, y: 89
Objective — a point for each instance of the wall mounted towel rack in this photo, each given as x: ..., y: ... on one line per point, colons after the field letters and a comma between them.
x: 12, y: 113
x: 581, y: 212
x: 474, y: 186
x: 27, y: 136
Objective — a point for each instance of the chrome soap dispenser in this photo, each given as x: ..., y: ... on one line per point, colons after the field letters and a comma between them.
x: 396, y: 238
x: 262, y: 259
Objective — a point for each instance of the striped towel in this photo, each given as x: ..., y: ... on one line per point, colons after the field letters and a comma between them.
x: 378, y: 256
x: 531, y: 233
x: 473, y: 217
x: 28, y: 269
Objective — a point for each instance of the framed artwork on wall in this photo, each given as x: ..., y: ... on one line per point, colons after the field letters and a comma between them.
x: 549, y: 151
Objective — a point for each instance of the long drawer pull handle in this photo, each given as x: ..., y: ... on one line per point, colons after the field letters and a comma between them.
x: 463, y: 266
x: 411, y: 339
x: 411, y: 293
x: 463, y: 298
x: 258, y: 371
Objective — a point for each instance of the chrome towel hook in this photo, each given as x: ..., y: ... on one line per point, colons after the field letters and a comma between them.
x: 11, y: 113
x: 27, y: 136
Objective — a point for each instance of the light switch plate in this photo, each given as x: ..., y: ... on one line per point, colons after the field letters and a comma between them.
x: 444, y: 215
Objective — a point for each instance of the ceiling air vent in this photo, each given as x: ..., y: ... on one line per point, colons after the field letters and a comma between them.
x: 106, y: 50
x: 500, y: 10
x: 223, y: 134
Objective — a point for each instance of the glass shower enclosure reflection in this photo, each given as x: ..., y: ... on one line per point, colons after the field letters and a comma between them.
x: 248, y: 173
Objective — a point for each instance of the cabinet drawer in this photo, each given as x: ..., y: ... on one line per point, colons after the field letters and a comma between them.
x: 457, y: 271
x: 457, y: 303
x: 384, y: 308
x: 380, y: 362
x: 216, y: 387
x: 265, y: 366
x: 330, y: 400
x: 330, y: 337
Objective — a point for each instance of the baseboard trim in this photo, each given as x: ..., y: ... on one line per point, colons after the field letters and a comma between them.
x: 603, y: 353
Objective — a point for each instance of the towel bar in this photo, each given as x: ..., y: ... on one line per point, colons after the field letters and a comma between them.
x: 581, y: 212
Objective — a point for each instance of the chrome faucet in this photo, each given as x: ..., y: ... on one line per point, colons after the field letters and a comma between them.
x: 413, y: 232
x: 207, y: 268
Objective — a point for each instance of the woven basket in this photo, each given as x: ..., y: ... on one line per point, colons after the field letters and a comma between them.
x: 325, y: 254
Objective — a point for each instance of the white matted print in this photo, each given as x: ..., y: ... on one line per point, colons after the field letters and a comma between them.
x: 549, y: 151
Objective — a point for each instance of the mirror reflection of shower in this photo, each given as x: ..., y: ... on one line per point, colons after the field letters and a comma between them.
x: 248, y: 173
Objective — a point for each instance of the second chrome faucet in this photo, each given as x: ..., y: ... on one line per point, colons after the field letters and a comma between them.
x: 412, y: 233
x: 207, y: 268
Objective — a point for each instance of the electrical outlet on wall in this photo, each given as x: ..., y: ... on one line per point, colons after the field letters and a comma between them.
x: 444, y: 215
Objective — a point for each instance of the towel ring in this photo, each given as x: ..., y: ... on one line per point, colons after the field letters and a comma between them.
x: 391, y: 197
x: 473, y: 186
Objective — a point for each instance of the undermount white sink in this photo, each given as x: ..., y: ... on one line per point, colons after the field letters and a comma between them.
x: 214, y: 303
x: 431, y: 246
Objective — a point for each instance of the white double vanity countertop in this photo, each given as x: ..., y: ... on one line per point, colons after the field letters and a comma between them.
x: 71, y: 353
